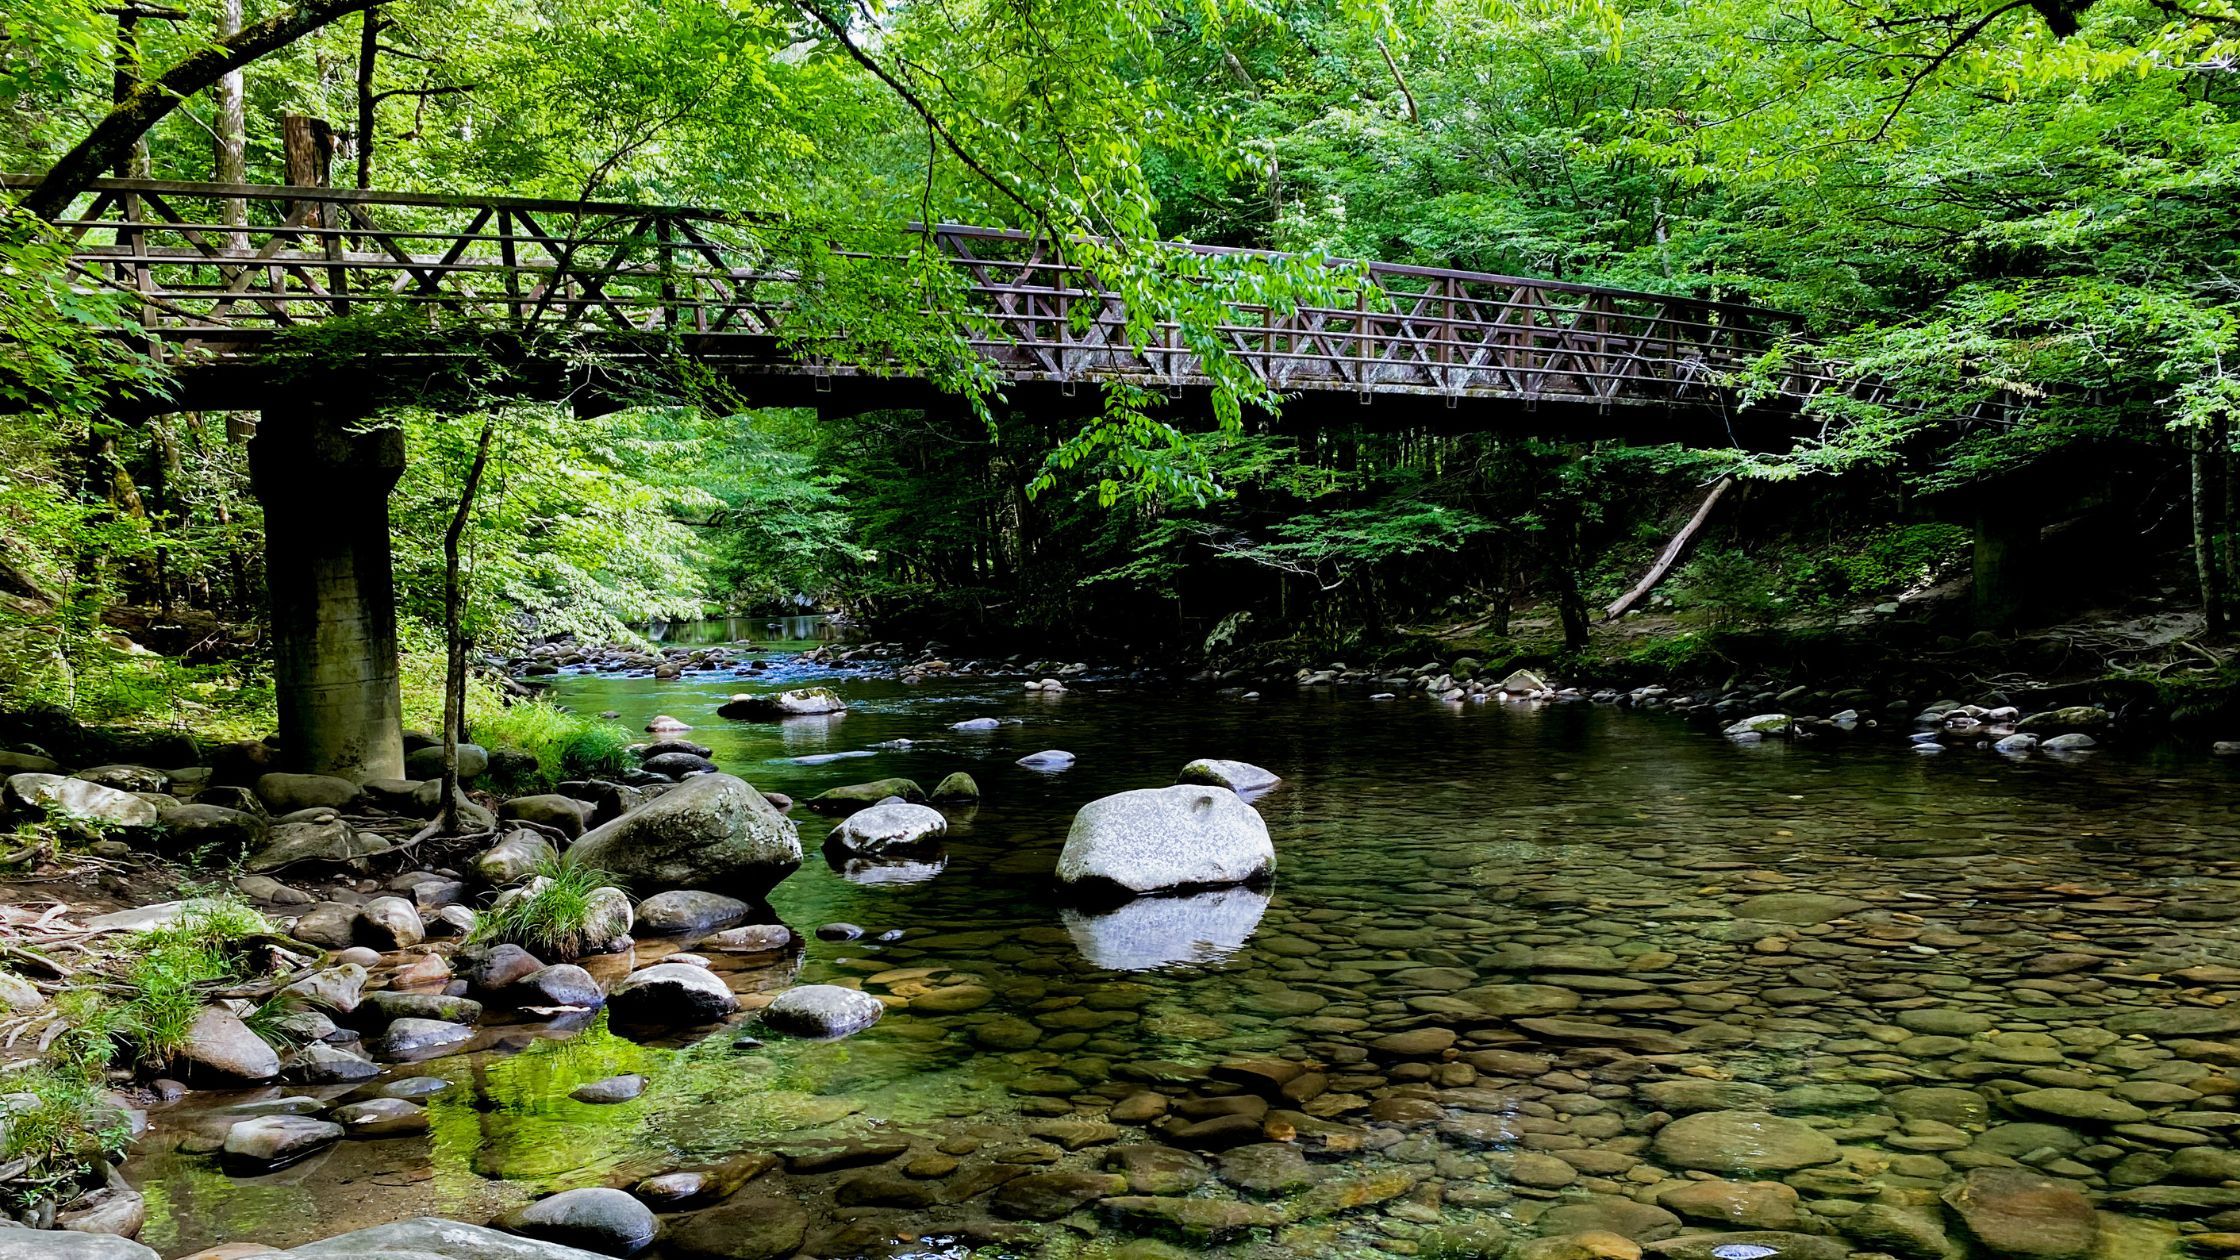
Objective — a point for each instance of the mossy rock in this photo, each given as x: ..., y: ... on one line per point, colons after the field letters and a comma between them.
x: 855, y: 796
x: 958, y: 786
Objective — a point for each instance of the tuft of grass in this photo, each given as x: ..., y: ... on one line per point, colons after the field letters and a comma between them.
x: 566, y: 745
x: 135, y: 1004
x: 551, y: 916
x: 139, y: 1003
x: 61, y: 1124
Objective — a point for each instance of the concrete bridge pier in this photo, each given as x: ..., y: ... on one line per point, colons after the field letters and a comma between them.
x: 324, y: 480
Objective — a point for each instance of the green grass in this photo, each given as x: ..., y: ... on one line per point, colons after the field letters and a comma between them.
x: 133, y: 1005
x: 153, y: 985
x: 61, y: 1127
x: 554, y: 921
x: 566, y: 745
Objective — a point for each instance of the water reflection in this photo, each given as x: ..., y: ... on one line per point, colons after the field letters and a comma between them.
x: 800, y: 630
x: 1153, y: 932
x: 885, y: 868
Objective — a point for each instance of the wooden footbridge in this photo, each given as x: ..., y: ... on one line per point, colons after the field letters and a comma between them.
x: 215, y: 299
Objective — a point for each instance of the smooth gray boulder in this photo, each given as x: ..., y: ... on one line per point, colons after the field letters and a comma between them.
x: 610, y: 1090
x: 889, y: 825
x: 564, y: 814
x: 713, y: 831
x: 321, y: 1064
x: 287, y: 793
x: 677, y: 765
x: 850, y: 797
x: 688, y: 911
x: 388, y: 923
x: 1144, y: 933
x: 221, y: 1047
x: 1047, y: 759
x: 514, y: 858
x: 559, y: 985
x: 79, y: 801
x: 671, y: 994
x: 127, y: 778
x: 382, y: 1117
x: 427, y: 763
x: 595, y: 1218
x: 1156, y: 839
x: 63, y: 1244
x: 190, y: 827
x: 416, y: 1038
x: 329, y: 925
x: 1241, y: 777
x: 824, y: 1011
x: 432, y: 1238
x: 316, y: 835
x: 263, y: 1142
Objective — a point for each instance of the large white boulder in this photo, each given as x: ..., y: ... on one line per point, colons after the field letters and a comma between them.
x: 889, y: 825
x: 1155, y: 839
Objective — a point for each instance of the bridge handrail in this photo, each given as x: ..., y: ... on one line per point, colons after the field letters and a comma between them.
x: 607, y: 267
x: 626, y: 209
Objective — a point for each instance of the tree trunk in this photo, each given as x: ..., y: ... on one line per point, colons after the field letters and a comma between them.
x: 112, y: 139
x: 454, y: 635
x: 369, y: 47
x: 2204, y: 549
x: 2229, y: 537
x: 1571, y: 605
x: 229, y: 137
x: 125, y: 78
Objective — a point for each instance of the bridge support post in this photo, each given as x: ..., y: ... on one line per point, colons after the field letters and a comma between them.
x: 324, y: 484
x: 2006, y: 566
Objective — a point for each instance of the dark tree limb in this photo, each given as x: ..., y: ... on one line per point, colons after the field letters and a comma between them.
x: 147, y: 104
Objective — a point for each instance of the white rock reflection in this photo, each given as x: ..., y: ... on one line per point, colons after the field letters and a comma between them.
x: 916, y: 868
x: 1152, y: 932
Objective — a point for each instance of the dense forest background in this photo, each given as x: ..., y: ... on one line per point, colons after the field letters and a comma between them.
x: 2030, y: 204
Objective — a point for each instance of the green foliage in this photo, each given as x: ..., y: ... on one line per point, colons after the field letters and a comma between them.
x: 153, y: 984
x: 551, y: 916
x: 61, y: 1124
x: 1729, y: 589
x: 1724, y: 587
x: 566, y: 745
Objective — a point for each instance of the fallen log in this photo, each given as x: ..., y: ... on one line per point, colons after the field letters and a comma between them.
x: 1672, y: 552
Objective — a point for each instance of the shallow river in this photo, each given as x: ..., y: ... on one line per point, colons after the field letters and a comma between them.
x: 1505, y: 944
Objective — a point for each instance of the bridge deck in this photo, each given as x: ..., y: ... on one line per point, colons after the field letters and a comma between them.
x: 730, y: 289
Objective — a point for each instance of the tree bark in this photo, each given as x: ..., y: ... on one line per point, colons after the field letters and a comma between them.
x: 126, y: 77
x: 2204, y: 549
x: 454, y: 636
x: 229, y: 138
x: 369, y: 48
x: 149, y: 103
x: 2229, y: 537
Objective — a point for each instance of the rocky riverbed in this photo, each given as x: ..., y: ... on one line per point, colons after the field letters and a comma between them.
x: 1538, y: 980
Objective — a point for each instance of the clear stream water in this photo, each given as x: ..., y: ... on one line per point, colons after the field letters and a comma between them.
x: 1989, y: 972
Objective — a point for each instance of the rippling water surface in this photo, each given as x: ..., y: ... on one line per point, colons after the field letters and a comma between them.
x: 1505, y: 946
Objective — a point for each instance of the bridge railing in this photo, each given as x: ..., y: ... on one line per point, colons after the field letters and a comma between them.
x: 732, y: 288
